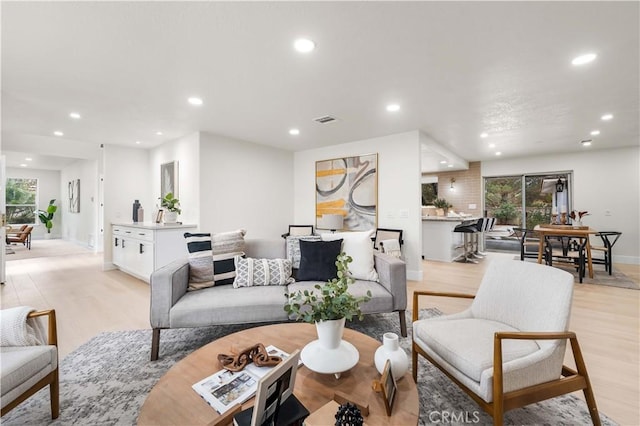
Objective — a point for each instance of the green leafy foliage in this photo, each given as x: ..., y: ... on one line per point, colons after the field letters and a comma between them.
x: 330, y: 301
x: 441, y: 203
x: 46, y: 216
x: 170, y: 203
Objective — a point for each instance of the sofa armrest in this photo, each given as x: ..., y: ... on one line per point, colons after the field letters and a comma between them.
x: 168, y: 284
x: 392, y: 273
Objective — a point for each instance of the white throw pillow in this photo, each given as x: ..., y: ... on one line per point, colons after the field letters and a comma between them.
x: 359, y: 246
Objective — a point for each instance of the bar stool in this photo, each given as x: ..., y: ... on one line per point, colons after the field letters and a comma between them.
x: 469, y: 229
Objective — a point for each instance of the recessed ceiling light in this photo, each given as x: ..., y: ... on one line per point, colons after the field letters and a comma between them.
x: 498, y: 153
x: 23, y: 165
x: 607, y: 117
x: 393, y: 107
x: 195, y: 101
x: 75, y: 115
x: 304, y: 45
x: 443, y: 162
x: 450, y: 165
x: 159, y: 133
x: 595, y: 132
x: 294, y: 132
x: 58, y: 133
x: 28, y: 159
x: 584, y: 59
x: 492, y: 145
x: 586, y: 142
x: 484, y: 135
x: 138, y: 142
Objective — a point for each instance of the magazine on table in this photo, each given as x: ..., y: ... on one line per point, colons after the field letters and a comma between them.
x: 223, y: 389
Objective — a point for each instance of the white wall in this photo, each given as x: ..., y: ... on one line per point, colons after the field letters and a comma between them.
x: 82, y: 227
x: 48, y: 189
x: 605, y: 180
x: 186, y: 151
x: 398, y: 187
x: 245, y: 185
x: 126, y: 178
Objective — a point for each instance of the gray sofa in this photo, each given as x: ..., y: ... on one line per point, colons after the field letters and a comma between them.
x: 173, y: 307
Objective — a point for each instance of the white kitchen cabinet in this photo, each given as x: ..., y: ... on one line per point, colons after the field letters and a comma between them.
x: 139, y: 249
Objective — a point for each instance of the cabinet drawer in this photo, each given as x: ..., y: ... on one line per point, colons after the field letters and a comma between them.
x: 133, y: 233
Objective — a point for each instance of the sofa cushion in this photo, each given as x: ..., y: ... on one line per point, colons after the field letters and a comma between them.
x: 225, y: 247
x: 200, y: 260
x: 359, y: 246
x: 467, y: 344
x: 318, y: 260
x: 228, y: 242
x: 381, y: 299
x: 253, y: 272
x: 293, y: 247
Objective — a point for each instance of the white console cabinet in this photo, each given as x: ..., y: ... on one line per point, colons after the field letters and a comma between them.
x: 139, y: 249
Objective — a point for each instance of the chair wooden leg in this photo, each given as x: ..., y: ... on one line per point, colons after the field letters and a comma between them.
x: 588, y: 391
x: 403, y: 323
x: 414, y: 363
x: 54, y: 395
x: 155, y: 344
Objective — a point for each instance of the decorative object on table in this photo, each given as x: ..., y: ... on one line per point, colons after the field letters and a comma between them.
x: 563, y: 218
x: 576, y: 217
x: 159, y: 216
x: 74, y: 196
x: 442, y: 206
x: 257, y: 354
x: 171, y: 208
x: 391, y: 351
x: 136, y: 207
x: 349, y: 415
x: 329, y: 306
x: 348, y: 186
x: 387, y: 387
x: 46, y: 216
x: 169, y: 179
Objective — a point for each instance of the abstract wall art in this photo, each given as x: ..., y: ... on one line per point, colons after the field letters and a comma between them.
x: 169, y: 179
x: 74, y: 196
x: 348, y: 186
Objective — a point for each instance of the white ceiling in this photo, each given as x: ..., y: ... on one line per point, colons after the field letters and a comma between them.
x: 456, y: 68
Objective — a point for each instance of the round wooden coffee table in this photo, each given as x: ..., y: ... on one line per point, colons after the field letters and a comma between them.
x: 173, y: 401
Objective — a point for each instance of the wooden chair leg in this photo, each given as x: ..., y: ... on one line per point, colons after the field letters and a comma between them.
x: 588, y: 390
x: 155, y: 344
x: 414, y: 363
x: 54, y: 395
x: 403, y: 323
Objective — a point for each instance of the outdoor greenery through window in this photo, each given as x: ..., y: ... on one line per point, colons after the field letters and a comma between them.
x: 21, y: 195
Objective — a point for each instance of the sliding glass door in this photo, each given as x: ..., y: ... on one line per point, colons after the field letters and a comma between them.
x: 523, y: 201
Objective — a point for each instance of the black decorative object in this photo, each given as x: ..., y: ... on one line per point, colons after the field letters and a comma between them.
x: 136, y: 206
x: 349, y: 415
x: 559, y: 185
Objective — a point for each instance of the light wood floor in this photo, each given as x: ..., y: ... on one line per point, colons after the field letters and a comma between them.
x: 89, y: 301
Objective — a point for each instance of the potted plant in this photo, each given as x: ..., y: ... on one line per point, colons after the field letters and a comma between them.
x: 329, y: 306
x: 46, y: 216
x: 442, y: 206
x: 171, y: 207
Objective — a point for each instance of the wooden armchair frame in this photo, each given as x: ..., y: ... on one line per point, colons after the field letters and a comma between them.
x: 50, y: 379
x: 570, y: 380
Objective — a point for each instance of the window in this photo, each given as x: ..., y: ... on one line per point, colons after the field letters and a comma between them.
x: 21, y: 197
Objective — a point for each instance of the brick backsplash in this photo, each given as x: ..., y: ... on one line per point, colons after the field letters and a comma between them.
x: 468, y: 187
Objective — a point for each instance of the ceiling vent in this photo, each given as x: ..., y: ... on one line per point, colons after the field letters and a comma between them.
x: 325, y: 119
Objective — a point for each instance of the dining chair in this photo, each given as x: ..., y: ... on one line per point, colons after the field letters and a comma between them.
x: 529, y: 243
x: 383, y: 234
x: 609, y: 238
x: 299, y: 230
x: 23, y: 237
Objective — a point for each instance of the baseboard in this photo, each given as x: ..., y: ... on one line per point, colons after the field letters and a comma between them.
x: 414, y: 275
x: 108, y: 266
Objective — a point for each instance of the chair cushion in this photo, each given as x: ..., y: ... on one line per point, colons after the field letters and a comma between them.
x: 467, y: 344
x: 21, y: 364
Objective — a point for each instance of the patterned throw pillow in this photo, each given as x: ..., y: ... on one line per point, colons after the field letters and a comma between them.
x: 200, y: 261
x: 293, y: 247
x: 226, y: 246
x: 254, y: 272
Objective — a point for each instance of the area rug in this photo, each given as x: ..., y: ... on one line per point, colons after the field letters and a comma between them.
x: 106, y: 380
x: 600, y: 277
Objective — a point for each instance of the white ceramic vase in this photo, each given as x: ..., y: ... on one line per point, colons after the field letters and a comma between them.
x: 330, y: 332
x: 391, y: 350
x: 170, y: 217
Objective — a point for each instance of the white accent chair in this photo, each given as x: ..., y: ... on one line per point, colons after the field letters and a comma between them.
x: 507, y: 349
x: 24, y: 370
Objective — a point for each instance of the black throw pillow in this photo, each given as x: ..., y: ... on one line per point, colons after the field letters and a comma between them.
x: 318, y: 260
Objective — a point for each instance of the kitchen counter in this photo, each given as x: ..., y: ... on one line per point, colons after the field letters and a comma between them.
x: 439, y: 242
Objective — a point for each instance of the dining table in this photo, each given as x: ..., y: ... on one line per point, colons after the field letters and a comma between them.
x: 566, y: 231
